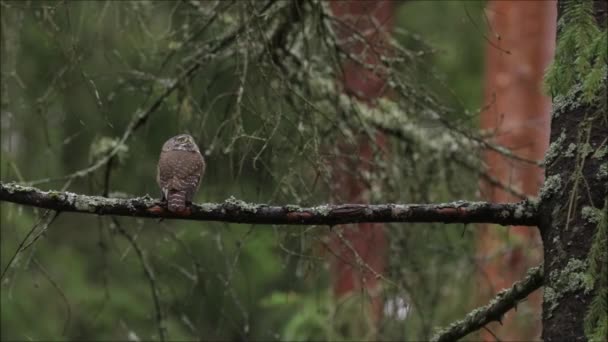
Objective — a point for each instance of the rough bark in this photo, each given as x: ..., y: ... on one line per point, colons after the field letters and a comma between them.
x: 372, y: 21
x: 233, y: 210
x: 575, y: 186
x: 573, y: 183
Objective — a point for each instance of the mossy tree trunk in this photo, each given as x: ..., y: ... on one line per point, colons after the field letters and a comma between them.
x: 373, y: 21
x: 572, y: 207
x: 566, y: 230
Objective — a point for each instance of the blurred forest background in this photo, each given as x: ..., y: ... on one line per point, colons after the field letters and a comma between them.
x: 268, y: 118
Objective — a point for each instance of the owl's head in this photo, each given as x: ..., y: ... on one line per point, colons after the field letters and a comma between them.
x: 182, y: 142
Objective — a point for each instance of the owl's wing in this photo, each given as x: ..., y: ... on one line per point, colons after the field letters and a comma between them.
x: 161, y: 175
x: 180, y: 170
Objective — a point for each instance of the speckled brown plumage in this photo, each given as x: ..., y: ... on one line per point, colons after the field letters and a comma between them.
x: 180, y: 169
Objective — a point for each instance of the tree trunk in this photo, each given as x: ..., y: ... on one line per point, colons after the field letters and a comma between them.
x: 520, y: 47
x: 571, y: 203
x: 573, y: 184
x: 371, y: 20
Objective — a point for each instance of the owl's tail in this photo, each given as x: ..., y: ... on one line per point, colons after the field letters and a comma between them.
x: 176, y: 201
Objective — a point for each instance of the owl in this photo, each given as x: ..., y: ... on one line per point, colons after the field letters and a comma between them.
x: 180, y: 169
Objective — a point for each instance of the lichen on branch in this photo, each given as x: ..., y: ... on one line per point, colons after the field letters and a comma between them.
x: 237, y: 211
x: 504, y: 301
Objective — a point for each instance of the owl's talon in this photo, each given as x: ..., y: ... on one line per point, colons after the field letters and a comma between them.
x: 184, y: 212
x: 156, y: 210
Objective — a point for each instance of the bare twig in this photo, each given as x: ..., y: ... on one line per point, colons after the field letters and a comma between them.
x: 68, y: 308
x: 42, y: 231
x: 22, y: 246
x: 162, y: 331
x: 458, y: 158
x: 140, y: 117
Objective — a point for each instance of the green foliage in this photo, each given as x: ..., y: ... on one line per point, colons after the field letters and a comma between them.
x: 453, y: 48
x: 596, y: 320
x: 581, y: 55
x: 317, y: 317
x: 269, y: 119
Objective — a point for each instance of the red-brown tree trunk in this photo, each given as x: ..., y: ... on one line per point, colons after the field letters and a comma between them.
x: 373, y: 21
x: 521, y: 45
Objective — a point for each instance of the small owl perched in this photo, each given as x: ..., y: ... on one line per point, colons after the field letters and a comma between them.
x: 180, y: 169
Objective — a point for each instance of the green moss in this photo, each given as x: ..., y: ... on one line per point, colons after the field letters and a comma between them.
x: 519, y: 211
x: 602, y: 172
x: 207, y: 207
x: 55, y: 194
x: 90, y: 203
x: 82, y: 205
x: 571, y: 278
x: 252, y: 208
x: 11, y: 188
x: 504, y: 214
x: 585, y: 150
x: 591, y: 214
x: 471, y: 205
x: 242, y: 205
x: 550, y: 298
x: 570, y: 150
x: 533, y: 203
x: 323, y: 210
x: 231, y: 200
x: 292, y: 207
x: 552, y: 185
x: 554, y: 149
x: 566, y: 102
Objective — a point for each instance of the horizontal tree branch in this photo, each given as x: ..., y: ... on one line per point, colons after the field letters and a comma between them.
x: 493, y: 312
x: 233, y: 210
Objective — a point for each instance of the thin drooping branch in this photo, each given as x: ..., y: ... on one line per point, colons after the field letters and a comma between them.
x: 493, y: 312
x: 141, y: 116
x: 237, y: 211
x: 149, y: 273
x: 44, y: 221
x: 399, y: 132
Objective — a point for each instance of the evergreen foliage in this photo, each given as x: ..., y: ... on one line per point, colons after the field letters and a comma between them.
x: 580, y: 71
x: 581, y: 57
